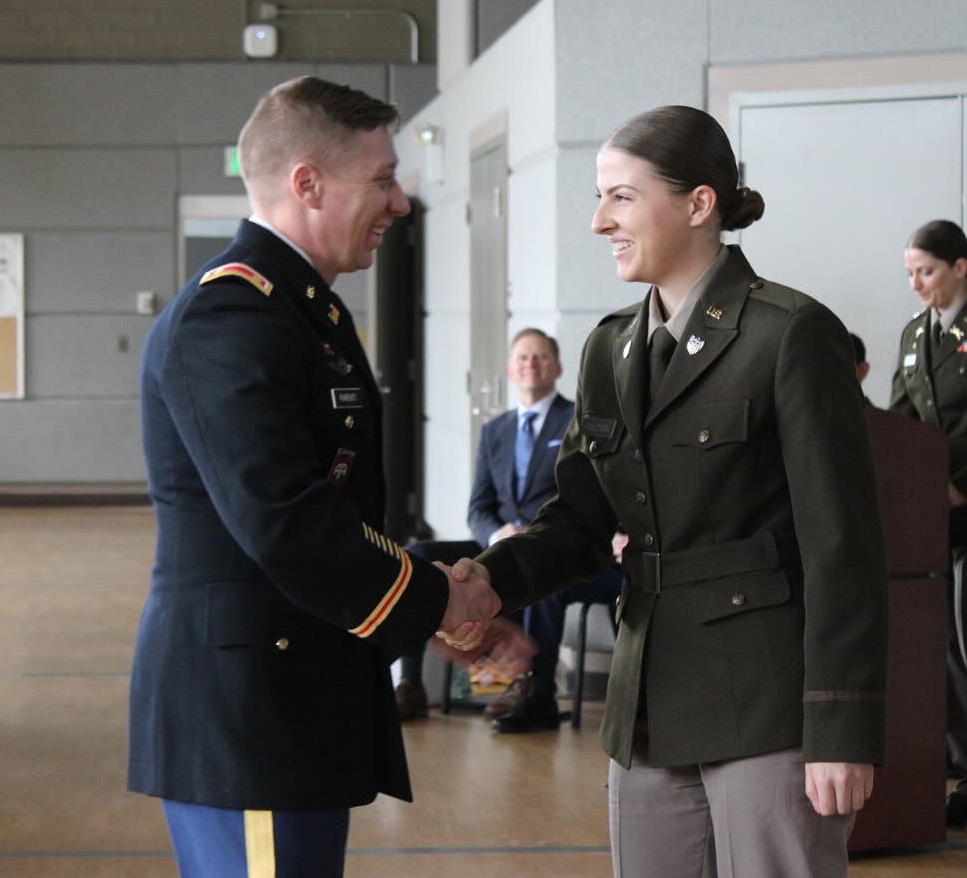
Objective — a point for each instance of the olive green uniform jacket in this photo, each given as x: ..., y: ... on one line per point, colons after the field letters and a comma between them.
x: 931, y: 386
x: 755, y: 617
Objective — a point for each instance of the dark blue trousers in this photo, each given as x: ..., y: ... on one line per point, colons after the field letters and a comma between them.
x: 544, y: 621
x: 223, y: 843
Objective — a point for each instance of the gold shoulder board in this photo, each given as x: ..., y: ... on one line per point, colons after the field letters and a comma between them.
x: 239, y: 269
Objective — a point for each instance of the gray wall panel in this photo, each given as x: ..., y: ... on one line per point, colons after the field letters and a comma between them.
x: 201, y: 172
x: 772, y: 30
x: 79, y: 356
x: 97, y: 104
x: 412, y: 87
x: 96, y: 271
x: 71, y: 441
x: 605, y: 74
x: 214, y: 100
x: 87, y: 188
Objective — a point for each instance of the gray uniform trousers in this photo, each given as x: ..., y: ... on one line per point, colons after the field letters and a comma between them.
x: 741, y: 818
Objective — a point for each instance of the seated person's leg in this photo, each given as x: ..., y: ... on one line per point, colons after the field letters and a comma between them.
x: 530, y: 703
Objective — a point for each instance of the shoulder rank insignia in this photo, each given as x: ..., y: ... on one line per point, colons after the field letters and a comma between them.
x: 239, y: 269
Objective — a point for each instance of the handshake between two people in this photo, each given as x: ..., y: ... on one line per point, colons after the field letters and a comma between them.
x: 470, y: 632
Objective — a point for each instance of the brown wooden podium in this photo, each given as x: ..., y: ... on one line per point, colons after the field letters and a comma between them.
x: 907, y: 808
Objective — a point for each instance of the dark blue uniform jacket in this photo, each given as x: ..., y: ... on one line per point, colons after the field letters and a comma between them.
x: 261, y: 676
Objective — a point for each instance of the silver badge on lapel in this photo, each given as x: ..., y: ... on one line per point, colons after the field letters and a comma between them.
x: 694, y: 345
x: 626, y: 351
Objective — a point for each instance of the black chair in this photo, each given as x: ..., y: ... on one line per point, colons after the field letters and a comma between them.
x: 582, y: 648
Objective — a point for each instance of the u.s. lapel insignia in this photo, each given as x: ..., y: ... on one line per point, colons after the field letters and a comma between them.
x: 694, y: 345
x: 311, y: 291
x: 334, y: 314
x: 713, y: 312
x: 627, y: 350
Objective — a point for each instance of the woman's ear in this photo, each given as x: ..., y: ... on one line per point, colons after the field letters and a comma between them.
x: 702, y: 201
x: 960, y: 268
x: 305, y: 181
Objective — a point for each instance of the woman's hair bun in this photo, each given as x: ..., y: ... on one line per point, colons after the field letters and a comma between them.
x: 745, y: 208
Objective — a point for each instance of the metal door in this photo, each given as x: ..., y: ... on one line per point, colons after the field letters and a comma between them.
x: 845, y: 182
x: 488, y: 285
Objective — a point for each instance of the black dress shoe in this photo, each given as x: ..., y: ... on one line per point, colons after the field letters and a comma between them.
x: 535, y: 714
x: 957, y: 809
x: 411, y: 701
x: 510, y: 699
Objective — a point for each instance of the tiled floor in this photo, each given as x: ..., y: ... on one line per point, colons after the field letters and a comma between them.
x: 71, y: 586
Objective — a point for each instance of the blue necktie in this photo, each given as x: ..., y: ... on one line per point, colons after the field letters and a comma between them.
x: 524, y: 449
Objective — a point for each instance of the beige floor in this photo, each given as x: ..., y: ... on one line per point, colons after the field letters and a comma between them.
x: 71, y: 586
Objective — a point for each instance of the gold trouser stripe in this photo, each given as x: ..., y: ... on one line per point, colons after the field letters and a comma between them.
x: 259, y: 844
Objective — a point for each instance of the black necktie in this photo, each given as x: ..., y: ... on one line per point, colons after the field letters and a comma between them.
x: 662, y: 347
x: 936, y: 333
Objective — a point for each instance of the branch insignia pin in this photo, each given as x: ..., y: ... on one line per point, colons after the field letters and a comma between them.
x: 694, y: 345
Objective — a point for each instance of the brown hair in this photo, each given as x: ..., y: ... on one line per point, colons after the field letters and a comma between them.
x: 533, y: 330
x: 306, y: 118
x: 940, y: 238
x: 688, y: 148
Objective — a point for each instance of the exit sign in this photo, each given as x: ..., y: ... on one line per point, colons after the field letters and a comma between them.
x: 232, y: 167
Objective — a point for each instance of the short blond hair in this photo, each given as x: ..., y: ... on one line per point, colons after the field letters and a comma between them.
x: 305, y: 119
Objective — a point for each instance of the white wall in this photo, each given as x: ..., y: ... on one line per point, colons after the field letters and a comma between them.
x: 567, y: 74
x: 515, y: 76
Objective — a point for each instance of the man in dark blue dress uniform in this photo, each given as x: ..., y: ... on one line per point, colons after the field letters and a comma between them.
x: 261, y: 702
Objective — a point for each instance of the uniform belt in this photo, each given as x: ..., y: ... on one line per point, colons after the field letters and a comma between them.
x: 653, y: 571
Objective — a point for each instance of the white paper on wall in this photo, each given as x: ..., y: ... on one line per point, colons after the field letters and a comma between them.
x: 11, y: 275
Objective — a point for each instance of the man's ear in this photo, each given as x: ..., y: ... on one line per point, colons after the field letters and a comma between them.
x: 306, y: 183
x: 702, y: 205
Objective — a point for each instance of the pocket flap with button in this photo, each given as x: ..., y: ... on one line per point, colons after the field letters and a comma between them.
x: 237, y: 617
x: 719, y: 598
x: 599, y: 434
x: 709, y: 424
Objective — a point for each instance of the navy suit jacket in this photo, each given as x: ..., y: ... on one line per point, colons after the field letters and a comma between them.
x: 492, y: 500
x: 260, y: 676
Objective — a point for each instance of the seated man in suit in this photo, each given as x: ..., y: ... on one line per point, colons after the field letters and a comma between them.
x: 514, y: 477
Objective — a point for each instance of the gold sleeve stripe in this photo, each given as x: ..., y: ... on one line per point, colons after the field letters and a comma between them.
x: 390, y: 599
x: 239, y: 269
x: 259, y: 844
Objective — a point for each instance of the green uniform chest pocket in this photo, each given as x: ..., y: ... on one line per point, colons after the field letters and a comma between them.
x: 600, y: 434
x: 709, y: 425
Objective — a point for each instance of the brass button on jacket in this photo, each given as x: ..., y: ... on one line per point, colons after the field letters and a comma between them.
x: 738, y: 599
x: 282, y: 644
x: 704, y: 436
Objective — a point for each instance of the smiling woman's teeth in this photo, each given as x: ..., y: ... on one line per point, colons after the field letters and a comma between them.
x: 618, y: 246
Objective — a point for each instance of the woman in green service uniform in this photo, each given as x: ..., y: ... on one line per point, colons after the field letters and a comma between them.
x: 719, y: 420
x: 930, y: 384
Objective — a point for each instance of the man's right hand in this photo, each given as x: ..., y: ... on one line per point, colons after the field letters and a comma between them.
x: 473, y: 603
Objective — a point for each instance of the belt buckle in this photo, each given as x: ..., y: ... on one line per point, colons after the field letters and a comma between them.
x: 656, y: 559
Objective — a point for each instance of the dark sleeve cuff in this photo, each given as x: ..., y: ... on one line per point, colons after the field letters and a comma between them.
x: 844, y: 728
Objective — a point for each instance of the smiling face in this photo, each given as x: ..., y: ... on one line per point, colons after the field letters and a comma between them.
x: 360, y: 198
x: 533, y: 367
x: 936, y: 282
x: 647, y: 222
